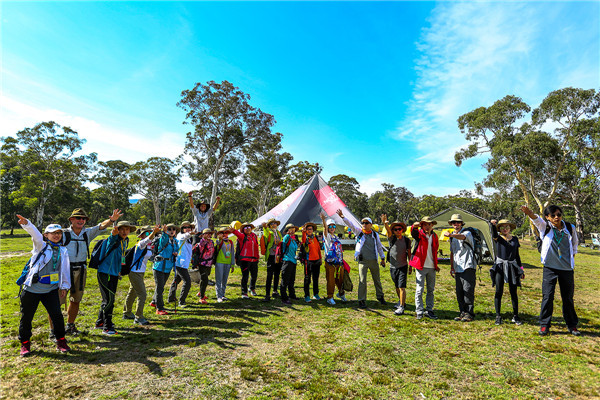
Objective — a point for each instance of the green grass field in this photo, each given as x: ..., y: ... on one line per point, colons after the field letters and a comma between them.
x: 252, y: 350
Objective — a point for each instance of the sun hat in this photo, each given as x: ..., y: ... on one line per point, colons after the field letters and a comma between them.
x: 398, y: 223
x: 202, y: 202
x: 186, y: 223
x: 143, y: 229
x: 79, y: 212
x: 245, y: 224
x: 369, y: 220
x: 207, y: 230
x: 53, y: 228
x: 429, y: 220
x: 506, y: 222
x: 289, y: 226
x: 314, y: 226
x: 273, y: 221
x: 127, y: 224
x: 455, y: 218
x: 173, y: 226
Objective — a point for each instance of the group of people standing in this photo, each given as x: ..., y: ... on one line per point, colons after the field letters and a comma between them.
x: 59, y: 258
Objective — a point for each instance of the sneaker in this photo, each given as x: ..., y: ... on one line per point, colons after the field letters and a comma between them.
x: 419, y: 316
x: 25, y: 348
x: 219, y: 300
x: 161, y: 312
x: 498, y: 320
x: 253, y: 293
x: 182, y: 305
x: 203, y: 300
x: 460, y: 316
x: 382, y: 301
x: 287, y: 302
x: 544, y: 330
x: 399, y: 310
x: 71, y: 329
x: 330, y: 301
x: 99, y: 325
x: 62, y: 346
x: 52, y: 336
x: 152, y: 304
x: 128, y: 316
x: 316, y: 297
x: 431, y: 315
x: 275, y: 294
x: 575, y: 332
x: 342, y: 297
x: 141, y: 321
x: 224, y: 298
x: 397, y: 305
x: 516, y: 320
x: 307, y: 299
x: 467, y: 318
x: 245, y: 296
x: 199, y: 294
x: 110, y: 331
x: 362, y: 304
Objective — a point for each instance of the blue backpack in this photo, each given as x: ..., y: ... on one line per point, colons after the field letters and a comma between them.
x: 21, y: 280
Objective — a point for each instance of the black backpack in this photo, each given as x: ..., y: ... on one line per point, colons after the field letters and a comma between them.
x: 477, y: 246
x: 538, y: 240
x: 393, y: 240
x: 129, y: 261
x: 95, y: 259
x: 67, y: 238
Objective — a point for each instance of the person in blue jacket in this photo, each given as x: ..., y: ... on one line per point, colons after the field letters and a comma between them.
x: 112, y: 255
x: 289, y: 248
x: 166, y: 253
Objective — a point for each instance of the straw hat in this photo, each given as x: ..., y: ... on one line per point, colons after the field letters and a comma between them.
x: 506, y: 222
x: 245, y: 224
x: 456, y: 218
x: 314, y: 226
x: 273, y: 221
x: 186, y: 223
x: 428, y: 219
x: 127, y: 224
x: 79, y: 212
x: 207, y: 230
x: 289, y: 226
x: 173, y: 226
x: 143, y: 229
x: 398, y: 223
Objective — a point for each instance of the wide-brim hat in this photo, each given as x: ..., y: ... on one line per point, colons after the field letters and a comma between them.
x: 207, y: 230
x: 53, y: 228
x: 143, y: 229
x: 455, y: 218
x: 173, y: 226
x: 186, y: 223
x: 223, y: 231
x: 79, y: 212
x: 273, y: 221
x: 314, y: 226
x: 429, y: 220
x: 398, y: 223
x: 127, y: 224
x: 506, y: 222
x: 289, y: 226
x: 245, y: 224
x: 205, y: 202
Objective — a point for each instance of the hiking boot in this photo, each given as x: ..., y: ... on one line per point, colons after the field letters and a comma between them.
x: 307, y: 299
x: 253, y: 292
x: 316, y: 297
x: 516, y: 320
x: 152, y: 304
x: 128, y: 316
x: 275, y: 294
x: 544, y: 330
x: 25, y: 348
x: 62, y: 346
x: 399, y: 310
x: 141, y: 321
x: 419, y: 316
x: 498, y: 320
x: 162, y: 312
x: 72, y: 329
x: 52, y: 336
x: 109, y: 331
x: 382, y: 300
x: 460, y: 316
x: 342, y: 297
x: 245, y: 296
x: 574, y: 332
x: 431, y: 315
x: 467, y: 318
x: 331, y: 302
x: 362, y: 304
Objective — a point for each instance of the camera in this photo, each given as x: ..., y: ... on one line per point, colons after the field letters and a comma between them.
x: 35, y: 278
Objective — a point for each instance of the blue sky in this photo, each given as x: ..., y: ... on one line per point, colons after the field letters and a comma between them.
x: 371, y: 90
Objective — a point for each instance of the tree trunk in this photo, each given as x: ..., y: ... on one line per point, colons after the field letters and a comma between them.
x: 213, y: 194
x: 578, y: 222
x: 155, y: 203
x: 39, y: 214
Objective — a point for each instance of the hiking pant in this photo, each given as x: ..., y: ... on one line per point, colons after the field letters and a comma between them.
x: 181, y: 274
x: 221, y: 276
x: 312, y: 269
x: 363, y: 267
x: 566, y: 282
x: 29, y: 305
x: 108, y: 288
x: 512, y: 289
x: 425, y: 276
x: 288, y: 278
x: 465, y: 291
x: 204, y: 273
x: 160, y: 279
x: 249, y: 268
x: 334, y: 273
x: 273, y: 271
x: 137, y: 288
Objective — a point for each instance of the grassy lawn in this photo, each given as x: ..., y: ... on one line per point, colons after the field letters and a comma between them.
x: 252, y: 350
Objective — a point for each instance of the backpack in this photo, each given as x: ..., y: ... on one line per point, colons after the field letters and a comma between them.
x: 238, y: 251
x: 538, y: 240
x: 280, y: 250
x: 155, y: 251
x: 21, y: 280
x: 392, y: 241
x: 67, y: 238
x: 95, y: 259
x: 477, y: 247
x: 129, y: 261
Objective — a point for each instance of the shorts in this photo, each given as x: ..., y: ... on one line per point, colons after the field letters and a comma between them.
x: 77, y: 285
x: 399, y: 275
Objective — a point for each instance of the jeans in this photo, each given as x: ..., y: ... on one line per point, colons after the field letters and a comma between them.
x: 423, y: 277
x: 181, y: 274
x: 566, y: 282
x: 221, y: 276
x: 29, y: 305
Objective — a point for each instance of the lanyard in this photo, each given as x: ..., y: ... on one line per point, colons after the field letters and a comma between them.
x: 55, y: 257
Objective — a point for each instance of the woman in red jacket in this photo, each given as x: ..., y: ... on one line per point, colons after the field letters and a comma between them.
x: 248, y: 257
x: 424, y: 261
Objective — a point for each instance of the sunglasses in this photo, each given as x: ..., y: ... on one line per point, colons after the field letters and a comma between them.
x: 557, y: 215
x: 398, y: 229
x: 331, y: 226
x: 365, y: 223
